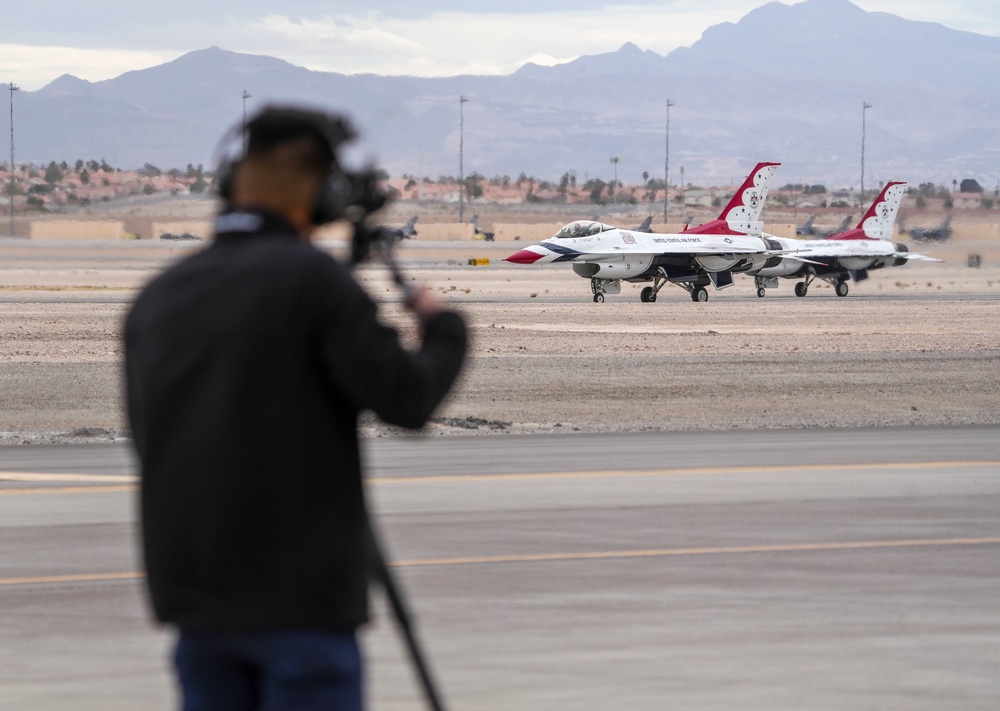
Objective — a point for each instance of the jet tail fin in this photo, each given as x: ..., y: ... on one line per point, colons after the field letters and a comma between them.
x: 877, y: 222
x: 742, y: 214
x: 645, y: 226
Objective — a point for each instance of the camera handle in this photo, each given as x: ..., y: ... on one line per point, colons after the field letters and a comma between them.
x: 382, y: 242
x: 401, y: 612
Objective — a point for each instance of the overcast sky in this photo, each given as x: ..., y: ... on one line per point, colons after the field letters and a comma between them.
x: 43, y: 39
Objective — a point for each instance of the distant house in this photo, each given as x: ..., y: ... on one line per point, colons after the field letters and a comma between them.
x: 967, y: 201
x: 698, y: 198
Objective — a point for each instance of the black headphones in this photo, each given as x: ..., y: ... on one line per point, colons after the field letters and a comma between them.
x: 274, y: 125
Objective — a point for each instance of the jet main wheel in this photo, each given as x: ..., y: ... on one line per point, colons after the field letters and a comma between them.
x: 598, y: 298
x: 842, y: 288
x: 699, y: 294
x: 760, y: 292
x: 647, y: 295
x: 801, y: 289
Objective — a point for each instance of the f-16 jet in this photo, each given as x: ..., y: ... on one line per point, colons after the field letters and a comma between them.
x: 707, y: 254
x: 941, y: 233
x: 844, y: 256
x: 405, y: 232
x: 810, y: 230
x: 806, y: 229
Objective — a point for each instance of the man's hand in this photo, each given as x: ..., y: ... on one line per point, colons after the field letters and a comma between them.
x: 422, y: 303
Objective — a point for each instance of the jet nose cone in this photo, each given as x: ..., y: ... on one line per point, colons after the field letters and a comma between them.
x: 525, y: 256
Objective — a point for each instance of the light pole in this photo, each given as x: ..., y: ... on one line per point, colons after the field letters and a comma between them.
x: 864, y: 109
x: 245, y: 96
x: 13, y: 87
x: 615, y: 160
x: 461, y: 158
x: 666, y: 164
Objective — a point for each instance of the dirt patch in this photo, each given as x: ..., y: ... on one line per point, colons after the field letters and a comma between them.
x: 917, y: 344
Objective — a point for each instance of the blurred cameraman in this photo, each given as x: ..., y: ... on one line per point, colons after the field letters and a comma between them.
x: 247, y: 365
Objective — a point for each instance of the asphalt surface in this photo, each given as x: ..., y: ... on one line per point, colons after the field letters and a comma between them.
x: 793, y: 569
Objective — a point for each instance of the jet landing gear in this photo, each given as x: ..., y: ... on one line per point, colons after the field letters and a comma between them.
x: 763, y: 284
x: 839, y: 284
x: 648, y: 294
x: 600, y: 287
x: 698, y: 293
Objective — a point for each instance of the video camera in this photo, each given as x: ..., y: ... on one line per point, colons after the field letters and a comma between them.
x: 359, y: 195
x: 347, y: 195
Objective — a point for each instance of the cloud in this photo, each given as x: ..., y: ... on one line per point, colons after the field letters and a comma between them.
x: 434, y: 38
x: 450, y: 43
x: 31, y: 68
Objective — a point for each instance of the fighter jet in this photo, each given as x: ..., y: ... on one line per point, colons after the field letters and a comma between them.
x: 707, y: 254
x: 844, y: 256
x: 404, y: 232
x: 646, y: 225
x: 806, y: 229
x: 810, y: 230
x: 820, y: 233
x: 940, y: 233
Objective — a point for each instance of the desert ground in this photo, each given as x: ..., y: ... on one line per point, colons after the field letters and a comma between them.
x: 917, y: 344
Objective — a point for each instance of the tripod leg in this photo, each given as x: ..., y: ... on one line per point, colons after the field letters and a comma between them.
x: 401, y: 612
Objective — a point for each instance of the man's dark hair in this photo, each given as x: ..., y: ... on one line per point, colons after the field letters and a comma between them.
x: 274, y: 127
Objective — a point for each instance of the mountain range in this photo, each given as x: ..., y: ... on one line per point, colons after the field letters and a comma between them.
x: 784, y: 83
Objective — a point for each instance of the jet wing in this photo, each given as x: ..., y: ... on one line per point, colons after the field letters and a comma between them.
x: 551, y: 251
x: 796, y: 258
x: 918, y: 257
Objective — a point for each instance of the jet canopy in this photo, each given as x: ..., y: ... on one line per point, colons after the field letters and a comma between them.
x: 581, y: 228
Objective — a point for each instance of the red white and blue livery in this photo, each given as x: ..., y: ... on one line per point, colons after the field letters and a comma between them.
x: 845, y: 256
x: 707, y: 254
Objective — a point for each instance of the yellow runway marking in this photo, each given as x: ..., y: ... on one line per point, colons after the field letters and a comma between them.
x: 691, y: 471
x: 130, y: 482
x: 69, y: 490
x: 82, y: 578
x: 586, y: 555
x: 64, y: 478
x: 719, y: 550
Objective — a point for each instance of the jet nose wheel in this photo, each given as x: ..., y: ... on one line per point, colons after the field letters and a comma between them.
x: 699, y: 294
x: 598, y: 298
x: 801, y: 289
x: 647, y: 295
x: 760, y: 292
x: 842, y: 288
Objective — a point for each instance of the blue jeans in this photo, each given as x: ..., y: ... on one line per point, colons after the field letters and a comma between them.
x: 294, y: 670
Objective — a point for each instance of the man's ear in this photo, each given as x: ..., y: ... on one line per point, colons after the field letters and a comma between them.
x: 300, y: 217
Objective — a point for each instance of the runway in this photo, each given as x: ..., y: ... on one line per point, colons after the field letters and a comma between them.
x: 753, y: 569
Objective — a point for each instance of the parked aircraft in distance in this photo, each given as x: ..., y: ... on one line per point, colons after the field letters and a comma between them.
x: 404, y: 232
x: 707, y: 254
x: 488, y: 236
x: 940, y: 233
x: 810, y: 230
x: 806, y: 229
x: 844, y: 256
x: 646, y: 226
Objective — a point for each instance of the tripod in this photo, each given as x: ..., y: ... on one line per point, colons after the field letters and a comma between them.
x: 402, y: 614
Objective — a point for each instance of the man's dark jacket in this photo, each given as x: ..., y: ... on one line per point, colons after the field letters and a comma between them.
x: 247, y: 366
